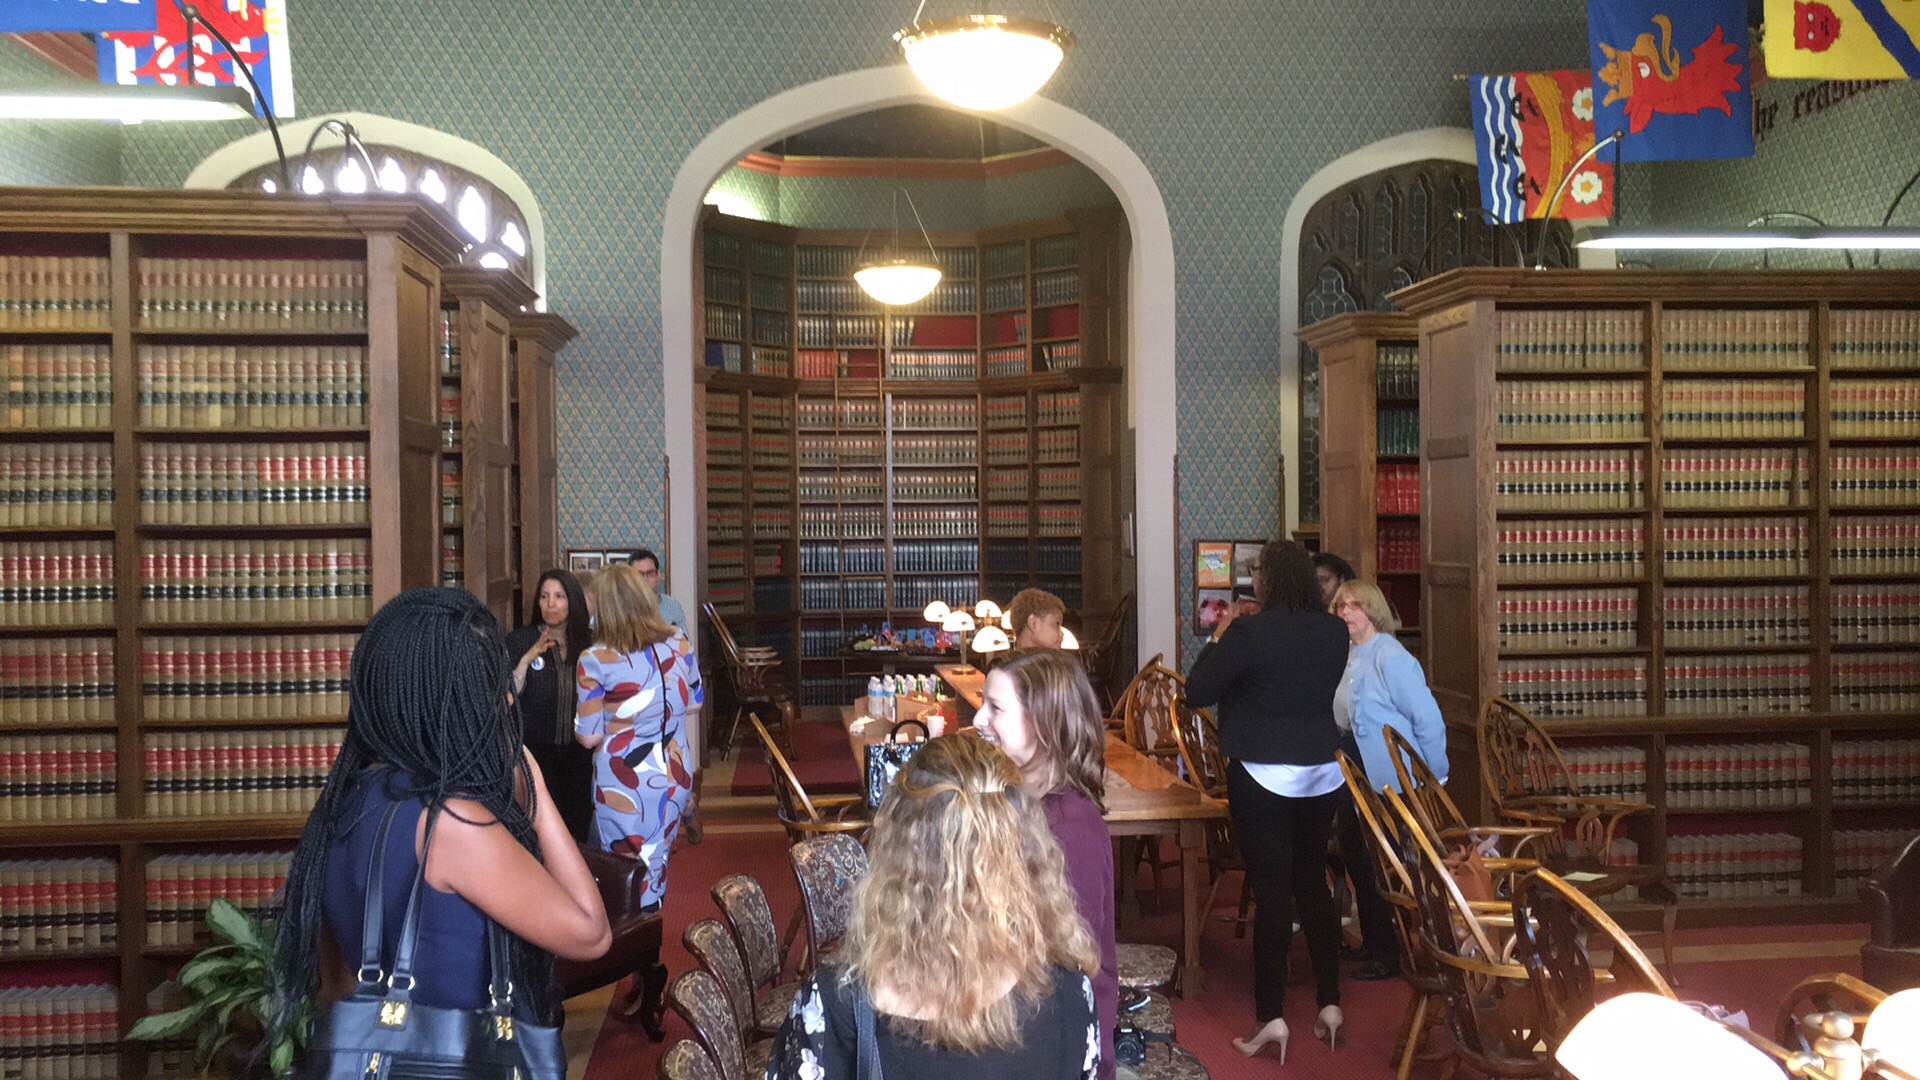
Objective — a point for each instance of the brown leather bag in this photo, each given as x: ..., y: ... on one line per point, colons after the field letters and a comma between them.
x: 1470, y: 874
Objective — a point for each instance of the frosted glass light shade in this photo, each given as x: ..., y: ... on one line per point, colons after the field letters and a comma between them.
x: 1649, y: 1037
x: 986, y: 610
x: 937, y: 612
x: 1067, y: 640
x: 126, y: 103
x: 991, y: 639
x: 1893, y: 1031
x: 958, y: 622
x: 984, y: 61
x: 897, y: 281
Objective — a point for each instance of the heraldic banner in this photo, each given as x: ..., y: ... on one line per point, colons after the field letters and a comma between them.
x: 257, y: 29
x: 1843, y: 39
x: 1672, y: 75
x: 1529, y: 128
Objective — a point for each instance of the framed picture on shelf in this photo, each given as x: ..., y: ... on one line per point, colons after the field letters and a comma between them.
x: 619, y: 557
x: 584, y: 562
x: 1246, y: 556
x: 1212, y: 564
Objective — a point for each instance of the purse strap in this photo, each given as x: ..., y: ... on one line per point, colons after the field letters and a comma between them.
x: 373, y: 915
x: 499, y: 962
x: 868, y: 1041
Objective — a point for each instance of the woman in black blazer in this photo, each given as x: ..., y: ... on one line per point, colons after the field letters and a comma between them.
x: 1272, y: 673
x: 547, y: 650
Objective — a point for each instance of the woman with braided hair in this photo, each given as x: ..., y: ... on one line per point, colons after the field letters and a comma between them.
x: 431, y: 726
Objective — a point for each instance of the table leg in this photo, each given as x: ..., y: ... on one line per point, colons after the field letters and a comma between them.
x: 1127, y: 898
x: 1193, y: 886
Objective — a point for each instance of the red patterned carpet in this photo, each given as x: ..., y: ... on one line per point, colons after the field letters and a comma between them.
x: 1741, y: 968
x: 819, y: 758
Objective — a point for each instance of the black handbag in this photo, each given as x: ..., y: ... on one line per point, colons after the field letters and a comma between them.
x: 884, y: 760
x: 379, y: 1033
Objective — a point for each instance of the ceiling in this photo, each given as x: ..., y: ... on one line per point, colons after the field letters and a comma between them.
x: 907, y: 131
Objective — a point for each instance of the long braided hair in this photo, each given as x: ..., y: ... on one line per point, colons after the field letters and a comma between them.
x: 429, y: 697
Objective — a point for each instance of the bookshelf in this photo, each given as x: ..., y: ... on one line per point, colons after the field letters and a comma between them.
x: 1370, y: 452
x: 538, y: 338
x: 1672, y: 515
x: 960, y: 447
x: 247, y: 387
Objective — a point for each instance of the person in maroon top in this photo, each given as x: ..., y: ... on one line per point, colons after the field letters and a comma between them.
x: 1040, y: 709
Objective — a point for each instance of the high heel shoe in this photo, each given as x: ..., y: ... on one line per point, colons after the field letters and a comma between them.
x: 1327, y: 1026
x: 1275, y: 1031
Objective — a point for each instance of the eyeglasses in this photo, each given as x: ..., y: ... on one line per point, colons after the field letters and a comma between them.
x: 1349, y: 605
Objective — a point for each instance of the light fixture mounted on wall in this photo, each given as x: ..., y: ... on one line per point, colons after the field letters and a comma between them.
x: 983, y: 61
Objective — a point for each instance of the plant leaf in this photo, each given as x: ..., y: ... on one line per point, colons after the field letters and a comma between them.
x: 282, y: 1057
x: 169, y: 1024
x: 206, y: 969
x: 232, y: 924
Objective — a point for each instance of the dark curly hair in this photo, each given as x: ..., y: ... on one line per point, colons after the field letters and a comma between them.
x: 1284, y: 579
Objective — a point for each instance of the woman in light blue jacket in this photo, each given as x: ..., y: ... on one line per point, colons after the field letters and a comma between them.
x: 1383, y: 686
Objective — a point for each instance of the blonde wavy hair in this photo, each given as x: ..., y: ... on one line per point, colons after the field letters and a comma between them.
x: 965, y: 887
x: 1064, y: 714
x: 626, y: 613
x: 1371, y: 600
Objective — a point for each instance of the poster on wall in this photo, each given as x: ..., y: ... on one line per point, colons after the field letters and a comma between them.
x: 77, y: 16
x: 1212, y: 565
x: 581, y: 563
x: 159, y: 56
x: 1222, y: 577
x: 1246, y: 557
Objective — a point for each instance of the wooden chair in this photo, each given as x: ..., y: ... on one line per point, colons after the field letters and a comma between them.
x: 709, y: 943
x: 686, y: 1060
x: 1557, y: 929
x: 753, y: 689
x: 634, y: 955
x: 1833, y: 993
x: 743, y: 903
x: 1890, y: 959
x: 1116, y: 717
x: 827, y: 867
x: 1145, y: 722
x: 1531, y: 785
x: 1385, y: 841
x: 1100, y: 653
x: 1491, y: 1013
x: 1440, y: 816
x: 1197, y: 738
x: 701, y: 1001
x: 803, y: 815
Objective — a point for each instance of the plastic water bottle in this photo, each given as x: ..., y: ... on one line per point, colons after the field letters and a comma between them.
x: 886, y: 701
x: 873, y: 696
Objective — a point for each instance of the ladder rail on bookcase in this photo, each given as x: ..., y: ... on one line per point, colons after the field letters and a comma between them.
x: 1765, y: 398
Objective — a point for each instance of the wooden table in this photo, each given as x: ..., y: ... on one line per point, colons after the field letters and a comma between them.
x: 969, y: 682
x: 1143, y: 799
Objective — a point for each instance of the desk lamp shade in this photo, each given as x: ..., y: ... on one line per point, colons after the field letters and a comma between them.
x: 957, y: 622
x: 937, y: 613
x: 1893, y: 1031
x: 1648, y: 1037
x: 986, y: 611
x: 991, y: 639
x: 1067, y: 640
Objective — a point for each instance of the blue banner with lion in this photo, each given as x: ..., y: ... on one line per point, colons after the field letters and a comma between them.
x: 1672, y: 76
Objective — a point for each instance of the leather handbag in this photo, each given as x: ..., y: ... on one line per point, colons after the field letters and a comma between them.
x: 884, y: 760
x: 380, y: 1033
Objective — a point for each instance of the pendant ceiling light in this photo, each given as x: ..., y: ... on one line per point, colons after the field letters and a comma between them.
x: 896, y: 277
x: 984, y: 61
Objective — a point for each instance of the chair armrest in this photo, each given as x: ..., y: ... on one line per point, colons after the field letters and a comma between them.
x: 622, y: 880
x: 1575, y: 805
x: 821, y: 828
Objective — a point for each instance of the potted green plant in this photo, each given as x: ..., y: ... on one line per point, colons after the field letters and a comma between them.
x: 231, y: 986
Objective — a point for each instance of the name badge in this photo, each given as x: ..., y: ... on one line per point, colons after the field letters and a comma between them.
x: 539, y: 663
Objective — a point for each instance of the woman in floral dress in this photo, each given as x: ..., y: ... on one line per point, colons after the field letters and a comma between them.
x: 637, y: 684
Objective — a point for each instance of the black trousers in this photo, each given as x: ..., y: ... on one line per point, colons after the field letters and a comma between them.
x: 1379, y: 937
x: 1284, y: 843
x: 568, y: 768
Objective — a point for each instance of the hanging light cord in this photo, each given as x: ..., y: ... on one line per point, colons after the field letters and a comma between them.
x: 1887, y: 218
x: 348, y: 135
x: 192, y: 15
x: 1765, y: 258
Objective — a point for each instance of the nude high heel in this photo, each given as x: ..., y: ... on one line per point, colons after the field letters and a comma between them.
x: 1327, y: 1026
x: 1275, y: 1031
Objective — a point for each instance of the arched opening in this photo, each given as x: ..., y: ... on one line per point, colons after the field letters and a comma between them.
x: 244, y: 157
x: 1151, y: 316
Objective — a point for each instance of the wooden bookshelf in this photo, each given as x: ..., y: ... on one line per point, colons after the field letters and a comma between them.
x: 172, y: 282
x: 902, y: 489
x: 1369, y: 482
x: 538, y: 338
x: 1669, y: 514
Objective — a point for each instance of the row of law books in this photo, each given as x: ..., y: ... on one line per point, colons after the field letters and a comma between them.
x: 55, y: 681
x: 1734, y: 409
x: 1007, y: 448
x: 1859, y: 853
x: 1006, y: 412
x: 1396, y: 489
x: 1600, y: 340
x: 770, y: 449
x: 55, y: 292
x: 1397, y: 432
x: 841, y: 331
x: 1006, y: 361
x: 1736, y: 547
x: 1396, y: 372
x: 1733, y: 338
x: 56, y: 485
x: 835, y: 487
x: 1399, y: 545
x: 65, y: 777
x: 199, y: 773
x: 1876, y: 545
x: 1009, y: 485
x: 1875, y: 408
x: 1608, y: 772
x: 936, y: 522
x: 1876, y: 771
x: 1876, y: 682
x: 253, y: 386
x: 1058, y: 519
x: 60, y: 1032
x: 841, y: 413
x: 770, y: 413
x: 181, y: 887
x: 933, y: 364
x: 58, y: 905
x: 1060, y: 287
x: 950, y: 297
x: 62, y: 583
x: 1008, y: 520
x: 859, y: 594
x: 936, y: 413
x: 270, y: 581
x: 845, y: 451
x: 1739, y: 776
x: 915, y: 593
x: 253, y: 483
x: 724, y: 409
x: 1553, y: 620
x: 1057, y: 407
x: 1057, y: 483
x: 828, y: 297
x: 1533, y: 410
x: 772, y: 361
x: 1060, y: 355
x: 1887, y: 614
x: 1736, y: 866
x: 773, y: 522
x: 842, y: 523
x: 55, y: 386
x: 1875, y: 478
x: 955, y: 450
x: 1580, y: 686
x: 253, y: 294
x: 725, y: 448
x: 273, y: 677
x: 771, y: 328
x: 1573, y: 550
x: 849, y: 558
x: 1874, y: 338
x: 1056, y: 444
x: 1733, y: 616
x: 947, y: 485
x: 1712, y: 479
x: 1563, y: 480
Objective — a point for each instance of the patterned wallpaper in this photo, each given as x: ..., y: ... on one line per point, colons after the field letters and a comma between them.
x: 1231, y: 103
x: 52, y: 152
x: 859, y: 202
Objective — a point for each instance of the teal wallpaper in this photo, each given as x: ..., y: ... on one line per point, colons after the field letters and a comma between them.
x: 861, y: 202
x: 53, y: 152
x: 1231, y: 103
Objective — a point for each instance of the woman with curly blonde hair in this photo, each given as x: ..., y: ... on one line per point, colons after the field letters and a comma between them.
x: 965, y: 947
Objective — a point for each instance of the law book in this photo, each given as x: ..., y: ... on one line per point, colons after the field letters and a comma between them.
x: 1544, y: 620
x: 1736, y: 615
x: 237, y: 772
x: 56, y: 681
x: 1747, y: 339
x: 1572, y: 687
x: 55, y: 292
x: 1874, y: 338
x: 59, y: 583
x: 63, y: 777
x: 63, y: 1029
x: 270, y: 581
